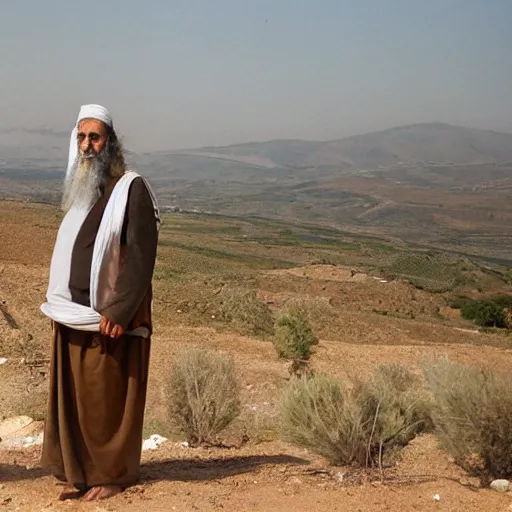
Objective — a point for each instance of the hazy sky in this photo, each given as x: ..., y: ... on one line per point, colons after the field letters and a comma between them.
x: 187, y: 73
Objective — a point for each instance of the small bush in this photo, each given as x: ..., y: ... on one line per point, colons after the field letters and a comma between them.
x: 468, y: 309
x: 204, y: 394
x: 358, y: 427
x: 485, y: 313
x: 459, y: 302
x: 489, y: 314
x: 397, y: 407
x: 293, y: 336
x: 316, y: 415
x: 245, y: 312
x: 503, y: 301
x: 473, y: 417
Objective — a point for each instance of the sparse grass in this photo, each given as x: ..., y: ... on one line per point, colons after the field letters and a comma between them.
x: 245, y: 312
x: 165, y: 273
x: 34, y: 405
x: 473, y: 417
x: 162, y: 428
x: 354, y: 427
x: 204, y: 394
x: 249, y: 260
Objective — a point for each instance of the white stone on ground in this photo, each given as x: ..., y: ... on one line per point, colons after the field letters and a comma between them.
x: 153, y: 442
x: 500, y: 485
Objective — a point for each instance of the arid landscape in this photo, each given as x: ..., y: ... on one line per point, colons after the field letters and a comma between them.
x: 370, y: 299
x: 332, y: 294
x: 431, y: 184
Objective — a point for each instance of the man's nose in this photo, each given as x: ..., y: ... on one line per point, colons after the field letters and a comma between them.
x: 85, y: 144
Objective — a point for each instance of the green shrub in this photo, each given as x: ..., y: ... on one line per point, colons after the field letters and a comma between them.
x: 293, y: 336
x: 459, y: 302
x: 485, y: 313
x: 204, y: 394
x: 358, y: 427
x: 473, y: 417
x: 468, y: 309
x: 489, y: 314
x: 242, y: 309
x: 503, y: 301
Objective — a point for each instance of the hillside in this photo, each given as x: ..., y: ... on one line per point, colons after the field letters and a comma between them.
x: 360, y: 304
x: 431, y: 142
x: 428, y: 142
x: 434, y: 184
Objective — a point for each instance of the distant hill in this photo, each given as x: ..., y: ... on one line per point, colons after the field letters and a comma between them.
x: 430, y: 142
x: 424, y: 143
x: 445, y: 185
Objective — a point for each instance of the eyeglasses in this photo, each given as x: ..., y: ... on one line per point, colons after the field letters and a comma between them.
x: 93, y: 136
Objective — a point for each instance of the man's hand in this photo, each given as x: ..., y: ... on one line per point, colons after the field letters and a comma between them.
x: 107, y: 328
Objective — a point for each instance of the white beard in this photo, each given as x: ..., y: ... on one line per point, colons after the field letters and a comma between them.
x: 84, y: 185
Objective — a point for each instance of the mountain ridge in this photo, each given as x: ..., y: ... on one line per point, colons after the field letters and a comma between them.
x: 438, y: 142
x: 433, y: 141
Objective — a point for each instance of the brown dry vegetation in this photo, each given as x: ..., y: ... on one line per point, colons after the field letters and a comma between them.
x: 361, y: 323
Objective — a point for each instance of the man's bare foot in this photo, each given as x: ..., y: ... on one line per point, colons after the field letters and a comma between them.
x: 70, y: 495
x: 102, y: 492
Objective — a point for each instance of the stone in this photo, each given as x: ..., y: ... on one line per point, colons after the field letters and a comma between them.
x: 153, y: 442
x: 11, y: 426
x: 500, y: 485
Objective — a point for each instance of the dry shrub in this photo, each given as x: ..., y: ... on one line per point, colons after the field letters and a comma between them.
x: 399, y: 406
x: 315, y: 414
x: 473, y: 417
x: 357, y: 427
x: 293, y: 337
x: 241, y: 308
x: 204, y: 394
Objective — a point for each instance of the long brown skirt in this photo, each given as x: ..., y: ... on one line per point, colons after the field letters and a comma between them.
x: 93, y: 430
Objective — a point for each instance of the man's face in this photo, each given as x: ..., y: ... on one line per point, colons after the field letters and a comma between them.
x: 92, y: 136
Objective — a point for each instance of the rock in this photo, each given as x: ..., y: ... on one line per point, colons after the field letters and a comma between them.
x: 10, y: 426
x: 23, y: 442
x: 500, y: 485
x: 153, y: 442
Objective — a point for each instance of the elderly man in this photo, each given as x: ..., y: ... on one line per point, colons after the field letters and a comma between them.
x: 99, y: 300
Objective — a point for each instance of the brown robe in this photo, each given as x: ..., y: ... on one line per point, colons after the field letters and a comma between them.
x: 93, y: 429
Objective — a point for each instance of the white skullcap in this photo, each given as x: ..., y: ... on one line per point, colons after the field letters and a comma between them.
x: 86, y: 112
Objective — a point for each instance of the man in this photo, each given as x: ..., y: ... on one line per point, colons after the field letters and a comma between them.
x: 99, y: 300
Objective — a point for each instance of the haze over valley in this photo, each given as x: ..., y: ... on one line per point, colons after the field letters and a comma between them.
x: 431, y: 183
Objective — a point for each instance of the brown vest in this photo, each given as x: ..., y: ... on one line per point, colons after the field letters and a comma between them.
x: 109, y: 271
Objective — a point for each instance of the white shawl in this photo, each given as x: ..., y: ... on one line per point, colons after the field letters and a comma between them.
x: 59, y: 306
